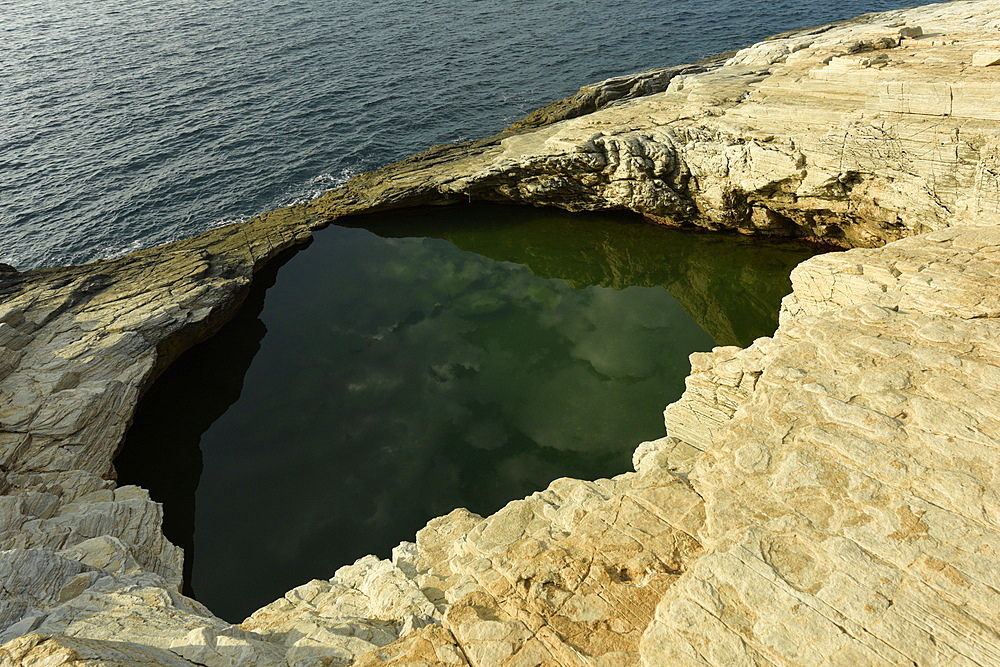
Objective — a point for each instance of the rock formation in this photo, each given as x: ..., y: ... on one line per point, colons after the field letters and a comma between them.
x: 824, y: 496
x: 858, y: 134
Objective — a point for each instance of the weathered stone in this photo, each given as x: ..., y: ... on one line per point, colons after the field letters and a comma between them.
x: 854, y: 489
x: 859, y: 134
x: 78, y: 346
x: 825, y: 496
x: 364, y: 606
x: 58, y: 651
x: 986, y: 58
x: 430, y: 645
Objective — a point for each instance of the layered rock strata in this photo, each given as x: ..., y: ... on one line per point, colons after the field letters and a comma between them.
x: 858, y: 134
x: 852, y: 497
x: 825, y: 496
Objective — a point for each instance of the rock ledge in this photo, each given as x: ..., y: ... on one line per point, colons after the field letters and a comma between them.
x: 825, y: 496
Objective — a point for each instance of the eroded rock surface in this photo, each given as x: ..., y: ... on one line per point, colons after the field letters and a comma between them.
x: 852, y: 495
x: 860, y: 133
x: 78, y: 345
x: 825, y: 496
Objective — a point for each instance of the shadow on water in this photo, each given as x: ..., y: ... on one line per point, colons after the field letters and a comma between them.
x: 426, y: 360
x: 161, y: 451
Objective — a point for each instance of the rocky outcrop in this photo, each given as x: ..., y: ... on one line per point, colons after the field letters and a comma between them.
x: 853, y: 491
x: 78, y: 346
x: 826, y: 496
x: 858, y: 134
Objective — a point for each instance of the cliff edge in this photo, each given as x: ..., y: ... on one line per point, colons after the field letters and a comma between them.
x: 825, y: 496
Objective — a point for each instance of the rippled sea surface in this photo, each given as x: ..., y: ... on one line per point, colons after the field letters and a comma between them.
x: 128, y: 124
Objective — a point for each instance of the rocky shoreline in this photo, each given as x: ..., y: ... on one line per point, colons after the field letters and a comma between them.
x: 825, y: 496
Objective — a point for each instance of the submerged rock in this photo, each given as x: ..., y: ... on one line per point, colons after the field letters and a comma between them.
x: 824, y: 496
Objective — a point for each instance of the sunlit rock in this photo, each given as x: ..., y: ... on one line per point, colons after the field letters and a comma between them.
x: 827, y: 495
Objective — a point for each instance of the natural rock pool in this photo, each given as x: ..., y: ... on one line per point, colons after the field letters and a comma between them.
x: 427, y: 360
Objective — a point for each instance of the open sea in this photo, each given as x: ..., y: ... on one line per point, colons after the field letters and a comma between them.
x: 124, y: 125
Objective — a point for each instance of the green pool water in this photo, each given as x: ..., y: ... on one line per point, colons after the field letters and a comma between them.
x: 427, y: 360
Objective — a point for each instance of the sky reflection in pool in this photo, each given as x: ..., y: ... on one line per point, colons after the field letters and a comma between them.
x: 434, y: 359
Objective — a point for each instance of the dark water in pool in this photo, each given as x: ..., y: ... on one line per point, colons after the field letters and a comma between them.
x: 127, y: 124
x: 440, y: 358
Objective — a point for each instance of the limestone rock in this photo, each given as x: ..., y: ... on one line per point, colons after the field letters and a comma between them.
x: 597, y: 96
x: 569, y: 575
x: 827, y: 495
x: 115, y: 610
x: 364, y: 606
x: 859, y: 133
x: 986, y: 58
x: 854, y: 490
x: 58, y: 651
x: 670, y: 452
x: 430, y: 645
x: 78, y: 346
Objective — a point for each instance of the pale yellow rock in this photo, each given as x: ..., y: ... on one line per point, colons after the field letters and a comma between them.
x: 826, y: 496
x: 569, y: 575
x: 860, y: 134
x: 430, y: 646
x: 986, y: 58
x: 854, y: 490
x: 59, y: 651
x: 363, y: 607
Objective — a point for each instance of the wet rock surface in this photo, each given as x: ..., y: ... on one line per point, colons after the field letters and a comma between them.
x: 824, y: 496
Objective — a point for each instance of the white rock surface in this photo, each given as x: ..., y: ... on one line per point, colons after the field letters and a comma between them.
x: 363, y: 607
x: 45, y: 651
x: 852, y: 498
